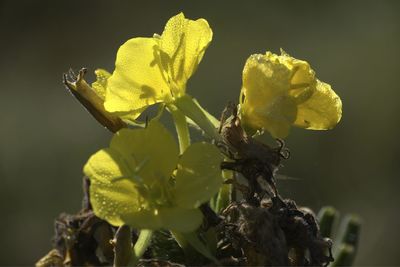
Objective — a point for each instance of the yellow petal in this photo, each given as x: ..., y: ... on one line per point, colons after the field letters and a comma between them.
x: 277, y: 117
x: 263, y: 80
x: 112, y: 197
x: 281, y: 91
x: 265, y: 99
x: 152, y: 70
x: 171, y: 218
x: 137, y: 81
x: 183, y: 44
x: 115, y: 198
x: 100, y: 85
x: 152, y: 151
x: 199, y: 175
x: 322, y: 111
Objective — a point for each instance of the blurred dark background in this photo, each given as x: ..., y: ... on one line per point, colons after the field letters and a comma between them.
x: 46, y: 137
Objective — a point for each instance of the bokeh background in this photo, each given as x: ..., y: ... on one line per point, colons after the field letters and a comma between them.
x: 46, y: 137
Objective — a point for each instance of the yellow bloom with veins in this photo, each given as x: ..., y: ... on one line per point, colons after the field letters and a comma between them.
x: 142, y: 181
x: 154, y: 70
x: 279, y: 91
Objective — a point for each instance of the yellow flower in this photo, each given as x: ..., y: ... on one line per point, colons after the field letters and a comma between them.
x: 280, y: 91
x: 154, y: 70
x: 141, y: 181
x: 100, y: 85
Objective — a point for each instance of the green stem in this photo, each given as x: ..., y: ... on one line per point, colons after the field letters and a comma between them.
x: 326, y: 218
x: 192, y: 245
x: 181, y: 126
x: 348, y: 237
x: 344, y: 256
x: 225, y: 192
x: 349, y: 231
x: 188, y: 250
x: 191, y: 108
x: 140, y: 247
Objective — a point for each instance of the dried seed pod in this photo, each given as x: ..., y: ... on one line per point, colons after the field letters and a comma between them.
x: 83, y: 239
x: 255, y: 236
x: 91, y: 100
x: 256, y: 161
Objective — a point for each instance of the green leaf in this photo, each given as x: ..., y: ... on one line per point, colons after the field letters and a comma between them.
x: 197, y: 244
x: 191, y: 108
x: 214, y: 121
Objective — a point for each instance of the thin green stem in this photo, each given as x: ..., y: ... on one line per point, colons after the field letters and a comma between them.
x: 224, y: 194
x: 143, y: 242
x: 191, y: 108
x: 181, y: 126
x: 122, y: 246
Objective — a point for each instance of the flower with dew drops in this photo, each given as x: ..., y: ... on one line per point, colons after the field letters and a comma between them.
x: 141, y: 180
x: 280, y: 91
x: 156, y: 70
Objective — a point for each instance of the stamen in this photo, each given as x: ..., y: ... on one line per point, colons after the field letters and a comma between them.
x: 141, y: 165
